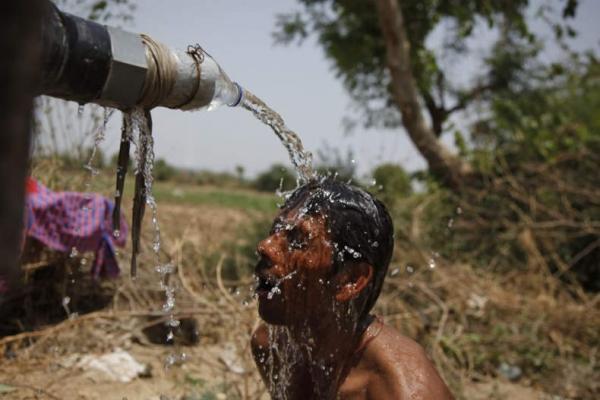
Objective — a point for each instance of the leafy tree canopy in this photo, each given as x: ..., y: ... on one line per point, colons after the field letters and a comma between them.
x: 349, y: 33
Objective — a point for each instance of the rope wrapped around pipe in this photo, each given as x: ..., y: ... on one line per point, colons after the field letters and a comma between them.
x: 160, y: 75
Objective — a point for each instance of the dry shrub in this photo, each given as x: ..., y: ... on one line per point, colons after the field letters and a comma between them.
x: 517, y: 278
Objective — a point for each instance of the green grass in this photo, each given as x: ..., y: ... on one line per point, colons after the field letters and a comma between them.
x: 61, y: 179
x: 227, y: 198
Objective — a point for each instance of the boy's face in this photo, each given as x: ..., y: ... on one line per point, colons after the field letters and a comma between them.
x: 294, y: 269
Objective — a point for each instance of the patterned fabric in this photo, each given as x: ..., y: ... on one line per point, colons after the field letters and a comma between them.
x: 64, y: 221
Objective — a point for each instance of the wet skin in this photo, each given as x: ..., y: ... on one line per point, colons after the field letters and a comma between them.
x: 314, y: 304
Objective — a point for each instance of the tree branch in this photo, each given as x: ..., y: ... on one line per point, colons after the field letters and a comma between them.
x: 442, y: 163
x: 467, y: 98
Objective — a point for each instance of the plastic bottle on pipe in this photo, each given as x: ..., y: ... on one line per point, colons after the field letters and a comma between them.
x: 226, y: 92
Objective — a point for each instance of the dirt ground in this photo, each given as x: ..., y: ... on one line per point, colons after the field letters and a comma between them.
x: 203, y: 376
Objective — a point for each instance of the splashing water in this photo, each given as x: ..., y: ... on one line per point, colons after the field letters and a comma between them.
x: 144, y: 153
x: 283, y: 354
x: 98, y: 137
x: 301, y: 159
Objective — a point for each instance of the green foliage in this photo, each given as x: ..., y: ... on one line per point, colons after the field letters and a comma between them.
x: 348, y: 31
x: 276, y: 177
x: 163, y: 171
x: 113, y: 11
x: 553, y: 116
x: 392, y: 183
x: 537, y: 204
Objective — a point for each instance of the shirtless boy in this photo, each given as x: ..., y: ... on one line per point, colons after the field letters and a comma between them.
x: 320, y: 272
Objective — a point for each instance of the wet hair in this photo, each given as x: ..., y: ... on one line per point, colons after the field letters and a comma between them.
x: 359, y: 226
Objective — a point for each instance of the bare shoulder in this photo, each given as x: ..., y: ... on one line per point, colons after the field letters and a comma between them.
x: 404, y: 368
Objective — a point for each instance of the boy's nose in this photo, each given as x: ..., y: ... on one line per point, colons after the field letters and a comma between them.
x: 270, y: 247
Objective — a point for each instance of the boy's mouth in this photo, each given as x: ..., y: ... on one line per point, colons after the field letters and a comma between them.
x: 264, y: 282
x: 264, y: 285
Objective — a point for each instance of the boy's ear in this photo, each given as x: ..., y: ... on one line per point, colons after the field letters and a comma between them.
x: 352, y: 280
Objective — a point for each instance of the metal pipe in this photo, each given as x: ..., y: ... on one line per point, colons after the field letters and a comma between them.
x: 91, y: 63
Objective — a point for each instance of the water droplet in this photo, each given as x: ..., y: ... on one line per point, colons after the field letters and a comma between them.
x: 394, y: 272
x: 116, y: 233
x: 375, y: 244
x: 410, y: 269
x: 274, y: 290
x: 74, y: 252
x: 165, y: 269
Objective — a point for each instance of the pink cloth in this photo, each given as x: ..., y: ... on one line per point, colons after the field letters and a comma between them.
x: 83, y: 221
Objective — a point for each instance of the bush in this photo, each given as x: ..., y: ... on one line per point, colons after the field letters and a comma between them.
x: 163, y: 171
x: 391, y: 182
x: 276, y: 177
x: 536, y: 206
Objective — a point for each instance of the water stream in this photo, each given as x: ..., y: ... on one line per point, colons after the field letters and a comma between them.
x: 98, y: 137
x: 300, y: 158
x: 144, y: 142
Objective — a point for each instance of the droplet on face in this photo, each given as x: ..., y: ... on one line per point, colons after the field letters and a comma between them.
x: 274, y: 290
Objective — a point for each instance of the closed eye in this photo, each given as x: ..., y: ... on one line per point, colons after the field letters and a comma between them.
x: 297, y: 239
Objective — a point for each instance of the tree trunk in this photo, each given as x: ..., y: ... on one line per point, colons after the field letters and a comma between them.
x: 449, y: 168
x: 20, y: 24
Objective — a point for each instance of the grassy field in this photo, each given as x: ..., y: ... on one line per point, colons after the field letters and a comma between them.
x: 232, y: 198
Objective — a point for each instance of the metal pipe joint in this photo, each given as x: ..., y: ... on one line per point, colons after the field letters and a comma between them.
x: 91, y: 63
